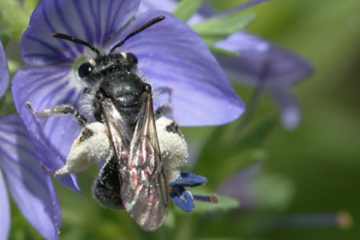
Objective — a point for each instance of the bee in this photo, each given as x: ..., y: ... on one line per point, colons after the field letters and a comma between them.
x: 142, y: 149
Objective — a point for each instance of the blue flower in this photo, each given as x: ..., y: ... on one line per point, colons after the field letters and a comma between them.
x: 170, y: 55
x: 4, y: 73
x: 22, y: 175
x: 269, y: 68
x: 185, y: 199
x: 29, y: 185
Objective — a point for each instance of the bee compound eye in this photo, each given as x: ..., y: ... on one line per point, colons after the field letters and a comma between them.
x: 132, y: 59
x: 147, y: 88
x: 85, y: 69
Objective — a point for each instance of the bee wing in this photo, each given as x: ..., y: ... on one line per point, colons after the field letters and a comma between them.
x: 145, y: 195
x: 118, y: 131
x: 107, y: 187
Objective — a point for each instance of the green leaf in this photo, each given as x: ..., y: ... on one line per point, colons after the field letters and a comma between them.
x: 14, y: 18
x: 30, y: 4
x: 224, y: 26
x: 187, y: 8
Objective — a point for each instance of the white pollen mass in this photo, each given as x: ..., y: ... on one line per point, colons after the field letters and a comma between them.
x: 90, y: 147
x: 173, y: 147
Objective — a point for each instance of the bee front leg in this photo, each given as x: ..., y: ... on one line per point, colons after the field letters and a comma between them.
x: 58, y: 110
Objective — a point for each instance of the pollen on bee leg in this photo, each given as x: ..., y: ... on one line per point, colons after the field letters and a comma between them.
x: 91, y: 146
x: 62, y: 171
x: 173, y: 146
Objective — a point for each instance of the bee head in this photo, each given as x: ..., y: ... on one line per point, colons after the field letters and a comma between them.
x: 105, y: 64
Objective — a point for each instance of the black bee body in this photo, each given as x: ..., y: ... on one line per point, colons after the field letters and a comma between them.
x: 116, y: 80
x: 133, y: 178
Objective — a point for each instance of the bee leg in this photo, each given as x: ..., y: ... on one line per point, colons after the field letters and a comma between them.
x: 75, y: 161
x: 165, y: 109
x: 62, y: 171
x: 58, y: 110
x: 161, y: 91
x: 91, y: 146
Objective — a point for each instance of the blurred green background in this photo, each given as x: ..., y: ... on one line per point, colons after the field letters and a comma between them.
x: 319, y: 162
x: 322, y: 156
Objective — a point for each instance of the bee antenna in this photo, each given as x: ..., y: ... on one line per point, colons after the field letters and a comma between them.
x: 76, y: 40
x: 142, y: 28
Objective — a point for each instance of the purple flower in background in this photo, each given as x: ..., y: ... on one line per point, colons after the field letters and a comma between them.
x: 4, y: 73
x: 241, y: 186
x: 170, y: 55
x: 22, y: 175
x: 268, y: 68
x: 260, y: 63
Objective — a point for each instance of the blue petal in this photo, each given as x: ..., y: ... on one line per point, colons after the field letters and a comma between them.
x: 47, y: 87
x: 5, y: 210
x: 164, y: 5
x: 28, y: 183
x: 184, y: 201
x: 187, y: 179
x: 4, y: 72
x: 92, y: 20
x: 172, y: 55
x: 260, y: 61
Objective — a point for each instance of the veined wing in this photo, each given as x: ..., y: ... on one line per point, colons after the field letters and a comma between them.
x: 118, y: 130
x: 107, y: 187
x: 144, y: 190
